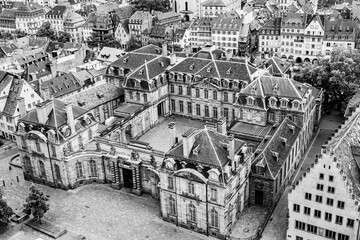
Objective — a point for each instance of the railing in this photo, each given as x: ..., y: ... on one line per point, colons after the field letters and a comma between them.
x: 193, y: 196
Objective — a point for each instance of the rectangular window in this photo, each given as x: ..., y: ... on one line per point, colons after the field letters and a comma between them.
x: 131, y: 95
x: 307, y: 210
x: 189, y: 107
x: 38, y: 148
x: 321, y: 177
x: 308, y: 196
x: 180, y: 90
x: 299, y: 238
x: 331, y: 178
x: 296, y: 207
x: 339, y: 220
x: 226, y: 113
x: 317, y: 213
x: 215, y: 95
x: 173, y: 108
x: 320, y: 187
x: 191, y: 188
x: 172, y: 88
x: 271, y: 116
x: 215, y: 112
x: 206, y: 93
x: 197, y: 93
x: 330, y: 201
x: 181, y: 104
x: 145, y: 98
x: 318, y: 199
x: 343, y: 237
x: 312, y: 229
x: 341, y: 204
x: 188, y: 91
x: 350, y: 223
x: 213, y: 194
x: 198, y: 112
x: 226, y: 97
x: 300, y: 225
x: 170, y: 183
x: 328, y: 217
x: 53, y: 150
x: 331, y: 190
x: 330, y: 234
x: 206, y: 111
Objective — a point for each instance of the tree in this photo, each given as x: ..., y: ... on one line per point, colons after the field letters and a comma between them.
x: 150, y: 5
x: 20, y: 34
x: 36, y: 203
x: 64, y: 37
x: 338, y: 75
x: 133, y: 44
x: 46, y: 31
x: 5, y: 211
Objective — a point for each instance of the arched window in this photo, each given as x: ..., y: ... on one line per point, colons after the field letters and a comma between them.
x: 93, y: 168
x: 172, y: 206
x: 214, y: 218
x: 191, y: 213
x: 27, y: 165
x: 57, y: 172
x: 79, y: 171
x: 42, y: 169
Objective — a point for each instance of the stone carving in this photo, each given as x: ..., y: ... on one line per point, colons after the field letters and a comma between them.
x: 112, y: 150
x: 98, y: 148
x: 152, y: 160
x: 134, y: 155
x: 65, y: 151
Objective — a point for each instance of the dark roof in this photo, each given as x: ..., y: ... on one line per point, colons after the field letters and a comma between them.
x: 247, y: 129
x: 158, y: 31
x: 272, y: 24
x: 279, y: 145
x: 124, y: 12
x: 14, y: 94
x: 59, y: 108
x: 40, y: 69
x: 278, y: 66
x: 132, y: 60
x: 61, y: 85
x: 149, y: 49
x: 211, y: 148
x: 56, y: 12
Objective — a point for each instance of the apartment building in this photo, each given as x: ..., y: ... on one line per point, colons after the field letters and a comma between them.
x: 29, y: 18
x: 214, y: 8
x: 200, y: 33
x: 269, y: 36
x: 56, y: 17
x: 139, y: 22
x: 73, y: 25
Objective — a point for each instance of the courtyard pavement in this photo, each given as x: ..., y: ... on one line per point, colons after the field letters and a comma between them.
x: 277, y: 226
x: 159, y: 136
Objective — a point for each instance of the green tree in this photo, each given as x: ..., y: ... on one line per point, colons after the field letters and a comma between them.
x: 47, y: 31
x: 63, y: 37
x: 133, y: 44
x: 150, y: 5
x: 338, y: 75
x: 36, y: 203
x: 5, y: 211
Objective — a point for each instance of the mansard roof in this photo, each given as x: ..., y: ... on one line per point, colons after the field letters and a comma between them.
x: 274, y: 152
x: 133, y: 60
x: 14, y: 93
x: 150, y: 69
x: 278, y: 66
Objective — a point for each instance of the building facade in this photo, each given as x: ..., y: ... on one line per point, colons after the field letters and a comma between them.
x: 56, y: 17
x: 29, y: 18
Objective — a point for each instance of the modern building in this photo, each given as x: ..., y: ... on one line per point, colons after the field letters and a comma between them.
x: 204, y: 181
x: 56, y: 17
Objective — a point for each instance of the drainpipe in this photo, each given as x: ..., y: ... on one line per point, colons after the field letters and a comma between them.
x: 52, y: 171
x: 207, y: 210
x: 177, y: 212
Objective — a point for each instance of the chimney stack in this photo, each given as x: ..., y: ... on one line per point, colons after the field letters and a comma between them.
x: 70, y: 117
x: 172, y: 128
x: 172, y: 59
x: 164, y: 49
x: 22, y: 107
x: 232, y: 150
x: 42, y: 110
x: 188, y: 141
x: 221, y: 126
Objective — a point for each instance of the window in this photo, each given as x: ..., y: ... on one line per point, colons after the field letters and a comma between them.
x: 42, y: 169
x: 38, y: 148
x: 299, y: 238
x: 57, y: 172
x: 341, y: 204
x: 271, y: 116
x: 214, y: 218
x: 172, y: 89
x: 170, y: 183
x: 329, y: 201
x: 350, y: 223
x: 300, y: 225
x: 206, y: 111
x: 93, y: 168
x: 173, y: 108
x: 191, y: 188
x: 213, y: 194
x: 328, y: 217
x: 307, y: 210
x: 343, y: 237
x: 188, y: 91
x: 215, y: 95
x: 283, y: 103
x: 198, y: 109
x: 172, y: 206
x: 312, y: 229
x: 215, y: 112
x: 197, y: 93
x: 189, y: 107
x: 226, y: 113
x: 181, y: 105
x: 79, y: 171
x: 330, y: 234
x: 320, y: 187
x: 192, y: 213
x: 321, y: 177
x: 145, y: 97
x: 27, y: 165
x: 180, y: 90
x: 317, y: 213
x: 226, y: 97
x: 331, y: 178
x: 308, y: 196
x: 296, y: 207
x: 339, y: 220
x: 318, y: 199
x: 138, y: 96
x: 206, y: 93
x: 331, y: 190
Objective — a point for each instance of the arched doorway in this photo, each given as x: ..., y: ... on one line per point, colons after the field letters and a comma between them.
x: 307, y: 60
x: 298, y: 60
x: 315, y: 61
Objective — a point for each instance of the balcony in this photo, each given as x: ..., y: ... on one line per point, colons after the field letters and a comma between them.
x: 299, y: 40
x: 38, y: 154
x: 189, y: 195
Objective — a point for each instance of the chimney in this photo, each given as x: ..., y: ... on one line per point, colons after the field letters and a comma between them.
x: 232, y: 150
x: 70, y: 117
x: 211, y: 126
x: 42, y: 110
x: 221, y: 126
x: 187, y: 50
x: 172, y: 59
x: 45, y: 94
x: 164, y: 49
x: 22, y: 107
x: 172, y: 128
x: 188, y: 141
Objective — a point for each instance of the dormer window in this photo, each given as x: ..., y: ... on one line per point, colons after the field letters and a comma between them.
x: 295, y: 105
x: 209, y: 69
x: 125, y: 60
x: 276, y: 89
x: 196, y: 150
x: 228, y: 71
x: 192, y: 66
x: 162, y: 64
x: 283, y: 141
x: 141, y: 71
x: 253, y: 89
x: 250, y: 101
x: 275, y: 155
x: 169, y: 164
x: 284, y: 103
x: 272, y: 102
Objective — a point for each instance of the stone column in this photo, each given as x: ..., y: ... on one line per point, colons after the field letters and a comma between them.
x: 123, y: 136
x: 137, y: 181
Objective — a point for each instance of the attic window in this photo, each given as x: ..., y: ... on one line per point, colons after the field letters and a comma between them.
x: 209, y: 69
x: 228, y: 71
x: 141, y: 71
x: 100, y: 95
x: 276, y: 88
x: 275, y: 155
x: 283, y: 141
x: 196, y: 150
x: 250, y: 101
x: 125, y: 60
x: 292, y: 128
x: 192, y: 66
x: 161, y: 64
x: 253, y: 89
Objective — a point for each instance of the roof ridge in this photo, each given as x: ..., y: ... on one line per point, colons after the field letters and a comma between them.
x: 217, y: 157
x: 292, y: 84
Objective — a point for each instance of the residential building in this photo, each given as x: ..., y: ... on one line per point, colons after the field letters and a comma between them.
x: 200, y: 33
x: 56, y: 17
x: 101, y: 24
x: 17, y: 97
x: 269, y: 36
x: 189, y: 9
x: 214, y: 8
x: 7, y: 20
x: 122, y: 33
x: 29, y: 18
x: 74, y: 26
x: 313, y: 37
x: 202, y: 192
x: 139, y: 22
x: 168, y: 19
